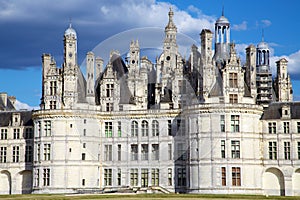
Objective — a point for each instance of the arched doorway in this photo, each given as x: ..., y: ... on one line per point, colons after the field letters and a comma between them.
x: 273, y: 182
x: 296, y: 182
x: 24, y: 182
x: 5, y: 180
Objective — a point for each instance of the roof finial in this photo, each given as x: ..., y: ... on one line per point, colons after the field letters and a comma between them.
x: 223, y: 10
x: 263, y: 36
x: 70, y: 22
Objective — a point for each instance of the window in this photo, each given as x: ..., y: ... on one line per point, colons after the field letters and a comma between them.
x: 28, y: 133
x: 109, y: 90
x: 16, y: 153
x: 233, y: 98
x: 134, y: 177
x: 119, y: 152
x: 182, y: 86
x: 223, y: 171
x: 36, y: 177
x: 83, y: 182
x: 3, y: 134
x: 108, y: 129
x: 3, y: 153
x: 235, y: 149
x: 39, y: 126
x: 47, y: 128
x: 46, y: 177
x: 16, y: 133
x: 83, y: 156
x: 28, y: 154
x: 236, y: 176
x: 52, y: 104
x: 144, y: 178
x: 272, y: 150
x: 169, y: 127
x: 134, y: 129
x: 84, y: 145
x: 181, y: 151
x: 145, y: 128
x: 47, y: 151
x: 84, y: 132
x: 235, y: 123
x: 109, y: 107
x: 155, y: 128
x: 170, y: 177
x: 119, y: 129
x: 107, y: 177
x: 38, y: 152
x: 286, y: 127
x: 155, y: 151
x: 222, y: 123
x: 155, y: 177
x: 181, y: 176
x: 233, y: 81
x: 108, y: 152
x: 119, y: 177
x: 222, y: 148
x: 287, y: 150
x: 145, y: 152
x: 169, y: 151
x: 298, y: 127
x: 53, y: 87
x: 299, y: 150
x: 272, y: 127
x: 180, y: 127
x: 134, y: 152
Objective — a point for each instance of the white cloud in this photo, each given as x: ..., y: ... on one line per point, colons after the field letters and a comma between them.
x: 23, y: 106
x: 266, y: 23
x: 240, y: 27
x: 293, y: 62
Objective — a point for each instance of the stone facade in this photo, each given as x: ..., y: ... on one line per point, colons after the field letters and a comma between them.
x: 206, y: 124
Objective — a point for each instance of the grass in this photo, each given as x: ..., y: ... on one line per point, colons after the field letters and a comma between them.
x: 139, y: 196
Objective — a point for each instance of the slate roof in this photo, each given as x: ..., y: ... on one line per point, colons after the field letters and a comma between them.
x: 274, y: 111
x: 6, y: 117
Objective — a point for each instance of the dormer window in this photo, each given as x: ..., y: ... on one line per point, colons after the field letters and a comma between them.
x: 286, y: 111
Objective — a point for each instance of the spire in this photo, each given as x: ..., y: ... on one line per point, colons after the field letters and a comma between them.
x: 223, y: 10
x: 171, y: 24
x: 263, y: 36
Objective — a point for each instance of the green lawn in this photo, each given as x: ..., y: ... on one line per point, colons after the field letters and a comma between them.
x: 140, y: 196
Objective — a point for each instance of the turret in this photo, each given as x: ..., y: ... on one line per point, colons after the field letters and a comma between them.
x: 134, y: 57
x: 250, y: 66
x: 90, y: 71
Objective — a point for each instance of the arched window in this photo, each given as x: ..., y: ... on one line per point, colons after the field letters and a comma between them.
x: 134, y: 128
x: 155, y: 128
x: 145, y: 128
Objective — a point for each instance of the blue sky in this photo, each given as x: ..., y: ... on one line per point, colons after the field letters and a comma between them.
x: 32, y: 27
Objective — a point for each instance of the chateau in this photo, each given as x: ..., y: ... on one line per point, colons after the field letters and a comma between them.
x: 206, y: 124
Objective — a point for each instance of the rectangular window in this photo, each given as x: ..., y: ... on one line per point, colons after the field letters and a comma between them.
x: 287, y: 150
x: 272, y: 127
x: 223, y: 171
x: 169, y: 151
x: 119, y: 177
x: 107, y: 177
x: 134, y: 129
x: 16, y: 154
x: 236, y: 176
x: 145, y: 128
x: 3, y: 134
x: 134, y: 152
x: 53, y: 88
x: 83, y: 182
x: 46, y: 177
x: 233, y: 98
x: 109, y: 90
x: 16, y: 133
x: 39, y: 128
x: 47, y: 151
x: 222, y: 148
x: 233, y: 80
x: 109, y: 107
x: 108, y: 129
x: 181, y: 177
x: 155, y: 128
x: 235, y: 123
x: 272, y: 150
x: 119, y: 129
x: 28, y: 133
x: 235, y: 149
x: 144, y: 178
x: 145, y: 151
x: 299, y: 150
x: 134, y: 177
x: 36, y: 177
x: 155, y: 151
x: 170, y: 177
x: 52, y: 105
x: 181, y: 151
x: 3, y: 153
x: 155, y: 177
x: 47, y: 128
x: 38, y: 152
x: 119, y: 152
x: 28, y: 154
x: 170, y: 127
x: 298, y: 127
x: 83, y: 156
x: 222, y: 123
x: 286, y: 127
x: 108, y: 152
